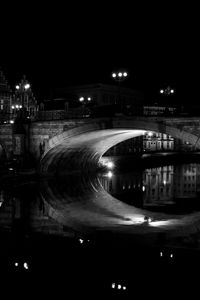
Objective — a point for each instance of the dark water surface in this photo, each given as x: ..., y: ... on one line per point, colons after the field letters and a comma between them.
x: 69, y: 225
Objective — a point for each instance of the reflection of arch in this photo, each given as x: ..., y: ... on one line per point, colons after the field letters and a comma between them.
x: 83, y: 146
x: 81, y: 203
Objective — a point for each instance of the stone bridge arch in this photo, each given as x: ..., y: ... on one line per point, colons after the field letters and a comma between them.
x: 82, y: 147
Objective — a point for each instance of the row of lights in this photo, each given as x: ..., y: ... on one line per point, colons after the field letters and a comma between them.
x: 25, y: 86
x: 119, y: 75
x: 83, y: 99
x: 25, y: 265
x: 170, y: 255
x: 118, y: 286
x: 83, y: 241
x: 16, y: 106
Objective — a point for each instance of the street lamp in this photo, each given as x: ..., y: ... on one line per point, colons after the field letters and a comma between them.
x: 167, y: 91
x: 23, y: 90
x: 119, y: 76
x: 85, y: 101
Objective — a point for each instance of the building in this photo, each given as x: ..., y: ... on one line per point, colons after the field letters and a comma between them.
x: 158, y: 184
x: 5, y: 99
x: 102, y: 98
x: 149, y: 142
x: 155, y: 141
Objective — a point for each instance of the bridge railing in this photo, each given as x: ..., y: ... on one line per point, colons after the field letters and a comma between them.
x: 109, y: 111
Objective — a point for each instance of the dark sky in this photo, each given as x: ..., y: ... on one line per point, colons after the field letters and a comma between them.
x: 58, y: 45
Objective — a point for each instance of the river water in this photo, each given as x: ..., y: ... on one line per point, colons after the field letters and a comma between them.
x: 77, y: 203
x: 100, y: 211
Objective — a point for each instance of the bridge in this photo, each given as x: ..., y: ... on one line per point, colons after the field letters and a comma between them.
x: 80, y: 143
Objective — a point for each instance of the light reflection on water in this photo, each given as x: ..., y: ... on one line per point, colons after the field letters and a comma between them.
x: 169, y: 188
x: 58, y: 204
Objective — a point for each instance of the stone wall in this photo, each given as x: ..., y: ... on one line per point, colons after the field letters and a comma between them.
x: 6, y: 139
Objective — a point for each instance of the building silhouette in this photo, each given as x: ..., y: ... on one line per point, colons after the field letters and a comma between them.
x: 5, y: 99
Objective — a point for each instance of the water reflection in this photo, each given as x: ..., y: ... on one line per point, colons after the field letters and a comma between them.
x: 73, y: 203
x: 170, y: 188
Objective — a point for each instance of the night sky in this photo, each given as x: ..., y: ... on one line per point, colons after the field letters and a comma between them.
x: 57, y: 46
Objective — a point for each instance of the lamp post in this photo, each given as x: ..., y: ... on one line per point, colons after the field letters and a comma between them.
x: 23, y: 89
x: 20, y: 108
x: 167, y: 91
x: 119, y: 77
x: 85, y: 100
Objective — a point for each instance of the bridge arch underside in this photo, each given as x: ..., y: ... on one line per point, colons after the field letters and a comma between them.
x: 82, y: 149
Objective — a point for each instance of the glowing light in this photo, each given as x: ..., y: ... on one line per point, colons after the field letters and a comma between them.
x: 110, y: 165
x: 17, y: 106
x: 119, y: 286
x: 89, y: 98
x: 17, y: 87
x: 161, y: 223
x: 16, y: 264
x: 27, y: 86
x: 164, y: 182
x: 13, y: 107
x: 113, y: 285
x: 10, y: 169
x: 161, y: 254
x: 137, y: 220
x: 124, y: 287
x: 26, y: 266
x: 161, y: 91
x: 171, y: 255
x: 172, y: 91
x: 109, y: 174
x: 11, y: 122
x: 125, y: 74
x: 114, y: 75
x: 143, y: 188
x: 150, y: 133
x: 81, y: 241
x: 120, y: 74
